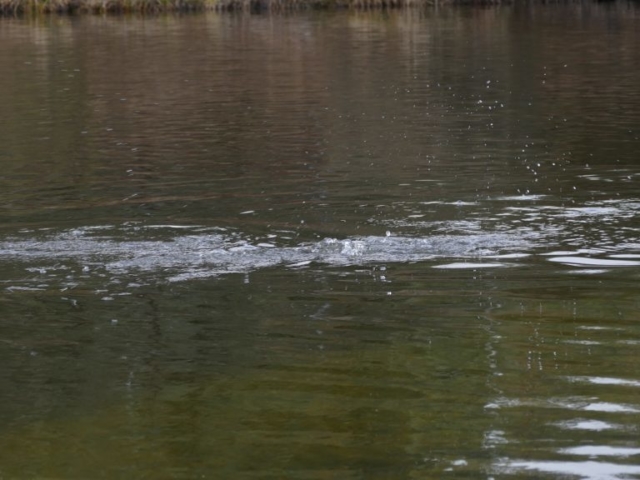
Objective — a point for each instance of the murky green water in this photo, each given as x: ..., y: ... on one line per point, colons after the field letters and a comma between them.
x: 321, y: 245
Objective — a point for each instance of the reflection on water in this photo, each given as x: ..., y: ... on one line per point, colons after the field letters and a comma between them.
x: 322, y: 245
x: 588, y: 470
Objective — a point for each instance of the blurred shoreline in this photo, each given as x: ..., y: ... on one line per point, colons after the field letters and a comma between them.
x: 20, y: 7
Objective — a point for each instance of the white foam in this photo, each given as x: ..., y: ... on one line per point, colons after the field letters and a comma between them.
x: 179, y: 254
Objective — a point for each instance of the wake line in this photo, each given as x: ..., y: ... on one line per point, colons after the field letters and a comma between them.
x: 186, y: 254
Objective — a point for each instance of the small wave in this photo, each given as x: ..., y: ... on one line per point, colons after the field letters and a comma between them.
x: 587, y: 470
x: 576, y: 261
x: 591, y: 425
x: 469, y: 265
x: 601, y: 451
x: 606, y: 381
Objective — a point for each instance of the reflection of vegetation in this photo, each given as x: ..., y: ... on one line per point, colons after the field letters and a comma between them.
x: 309, y: 375
x: 336, y: 415
x: 151, y: 6
x: 311, y: 115
x: 98, y: 6
x: 405, y: 386
x: 230, y: 380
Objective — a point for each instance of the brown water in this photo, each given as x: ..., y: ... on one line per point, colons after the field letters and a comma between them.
x: 321, y: 245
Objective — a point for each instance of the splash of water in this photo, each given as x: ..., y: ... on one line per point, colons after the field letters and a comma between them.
x: 183, y: 254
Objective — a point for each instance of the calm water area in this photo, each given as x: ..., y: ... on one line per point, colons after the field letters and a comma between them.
x: 321, y: 245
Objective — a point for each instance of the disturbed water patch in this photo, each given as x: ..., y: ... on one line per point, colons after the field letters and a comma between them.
x: 136, y: 254
x: 175, y: 253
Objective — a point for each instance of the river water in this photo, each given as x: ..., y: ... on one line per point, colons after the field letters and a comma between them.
x: 355, y: 245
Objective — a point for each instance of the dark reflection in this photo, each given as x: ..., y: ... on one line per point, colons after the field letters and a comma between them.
x: 203, y: 117
x: 230, y: 378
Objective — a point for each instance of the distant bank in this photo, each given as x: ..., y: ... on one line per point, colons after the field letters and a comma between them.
x: 10, y: 7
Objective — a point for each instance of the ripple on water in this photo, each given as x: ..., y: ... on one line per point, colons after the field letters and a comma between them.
x: 575, y: 404
x: 469, y: 265
x: 606, y: 381
x: 600, y: 451
x: 577, y: 261
x: 587, y: 470
x: 588, y: 424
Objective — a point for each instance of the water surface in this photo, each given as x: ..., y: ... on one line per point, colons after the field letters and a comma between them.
x: 321, y: 245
